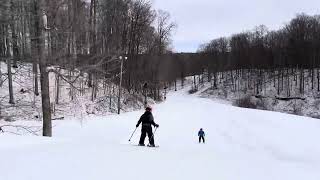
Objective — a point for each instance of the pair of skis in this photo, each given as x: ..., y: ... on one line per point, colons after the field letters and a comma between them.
x: 149, y: 146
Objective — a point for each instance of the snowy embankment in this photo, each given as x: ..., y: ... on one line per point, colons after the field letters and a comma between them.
x: 307, y: 104
x: 242, y: 144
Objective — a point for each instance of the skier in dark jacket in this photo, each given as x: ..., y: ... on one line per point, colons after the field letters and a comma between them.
x: 147, y: 120
x: 201, y: 135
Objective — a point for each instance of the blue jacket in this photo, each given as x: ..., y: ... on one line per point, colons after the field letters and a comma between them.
x: 201, y: 133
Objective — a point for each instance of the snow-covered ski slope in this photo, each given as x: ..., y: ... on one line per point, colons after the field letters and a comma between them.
x: 242, y: 144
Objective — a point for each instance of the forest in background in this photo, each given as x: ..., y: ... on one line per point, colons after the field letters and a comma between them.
x: 87, y: 44
x: 280, y: 64
x: 291, y: 50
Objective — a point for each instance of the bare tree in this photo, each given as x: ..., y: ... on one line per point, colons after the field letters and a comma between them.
x: 44, y: 75
x: 164, y: 29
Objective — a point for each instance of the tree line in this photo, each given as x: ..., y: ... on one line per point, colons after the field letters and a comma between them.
x: 287, y: 59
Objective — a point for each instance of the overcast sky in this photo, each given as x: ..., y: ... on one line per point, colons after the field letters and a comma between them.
x: 202, y: 20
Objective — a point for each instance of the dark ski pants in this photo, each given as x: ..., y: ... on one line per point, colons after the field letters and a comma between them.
x: 146, y: 129
x: 201, y: 138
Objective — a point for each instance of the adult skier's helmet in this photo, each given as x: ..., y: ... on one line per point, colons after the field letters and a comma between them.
x: 148, y: 108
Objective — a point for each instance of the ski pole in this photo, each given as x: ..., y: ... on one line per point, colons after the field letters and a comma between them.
x: 155, y: 130
x: 133, y: 133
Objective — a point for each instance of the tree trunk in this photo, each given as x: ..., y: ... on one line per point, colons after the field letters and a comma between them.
x: 278, y: 82
x: 44, y: 75
x: 35, y: 75
x: 120, y: 82
x: 11, y: 100
x: 1, y: 81
x: 301, y: 81
x: 45, y: 97
x: 34, y: 46
x: 14, y: 39
x: 312, y: 78
x: 57, y: 88
x: 194, y: 82
x: 318, y: 78
x: 175, y: 85
x: 215, y: 79
x: 8, y: 55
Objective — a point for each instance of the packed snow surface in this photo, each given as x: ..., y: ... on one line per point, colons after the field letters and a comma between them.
x: 241, y: 144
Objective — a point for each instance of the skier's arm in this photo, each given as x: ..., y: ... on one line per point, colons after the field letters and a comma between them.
x: 139, y: 121
x: 152, y: 121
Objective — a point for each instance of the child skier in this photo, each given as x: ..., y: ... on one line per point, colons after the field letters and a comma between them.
x: 201, y: 135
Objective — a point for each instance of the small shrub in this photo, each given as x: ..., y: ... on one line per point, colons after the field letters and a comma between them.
x: 316, y: 104
x: 315, y: 115
x: 225, y: 93
x: 193, y: 90
x: 297, y: 109
x: 262, y: 104
x: 246, y: 102
x: 275, y: 102
x: 8, y: 119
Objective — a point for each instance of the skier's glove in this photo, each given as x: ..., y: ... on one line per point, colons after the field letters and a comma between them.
x: 156, y: 125
x: 137, y: 125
